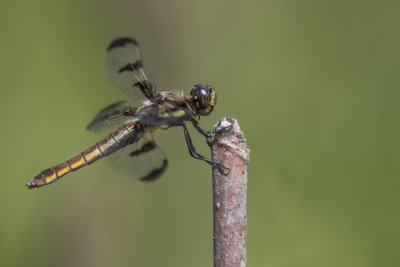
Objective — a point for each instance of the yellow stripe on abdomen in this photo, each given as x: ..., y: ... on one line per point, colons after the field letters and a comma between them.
x: 62, y: 169
x: 104, y: 147
x: 77, y: 162
x: 54, y: 173
x: 49, y: 175
x: 92, y: 153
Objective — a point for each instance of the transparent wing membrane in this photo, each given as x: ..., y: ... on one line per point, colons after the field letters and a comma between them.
x: 111, y: 117
x: 143, y: 160
x: 123, y: 67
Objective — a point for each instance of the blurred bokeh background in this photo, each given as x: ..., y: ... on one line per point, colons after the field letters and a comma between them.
x: 313, y: 84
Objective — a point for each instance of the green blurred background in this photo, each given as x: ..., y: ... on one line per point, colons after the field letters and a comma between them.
x: 313, y: 84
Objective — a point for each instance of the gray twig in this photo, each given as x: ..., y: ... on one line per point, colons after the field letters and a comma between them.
x: 229, y: 149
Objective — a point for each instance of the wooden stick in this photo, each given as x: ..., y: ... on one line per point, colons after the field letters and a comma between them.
x: 229, y: 192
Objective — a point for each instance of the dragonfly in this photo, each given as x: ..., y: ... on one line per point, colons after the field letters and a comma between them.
x: 127, y: 141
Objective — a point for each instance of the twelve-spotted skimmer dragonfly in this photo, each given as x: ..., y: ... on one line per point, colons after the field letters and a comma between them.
x: 128, y: 143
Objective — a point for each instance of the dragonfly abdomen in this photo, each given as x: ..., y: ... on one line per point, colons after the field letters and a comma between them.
x: 54, y: 173
x: 118, y: 138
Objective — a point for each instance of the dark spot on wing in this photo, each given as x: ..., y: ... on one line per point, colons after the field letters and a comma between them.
x: 155, y: 173
x: 145, y: 148
x: 131, y: 66
x: 147, y: 89
x: 141, y: 87
x: 127, y: 67
x: 147, y: 84
x: 137, y: 65
x: 129, y: 112
x: 122, y: 42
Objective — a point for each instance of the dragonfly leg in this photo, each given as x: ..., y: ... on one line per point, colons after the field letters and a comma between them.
x: 197, y: 125
x: 191, y: 148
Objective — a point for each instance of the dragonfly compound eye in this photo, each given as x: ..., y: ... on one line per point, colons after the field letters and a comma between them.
x: 204, y: 98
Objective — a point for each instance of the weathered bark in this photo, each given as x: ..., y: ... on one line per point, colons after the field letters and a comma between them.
x: 229, y: 149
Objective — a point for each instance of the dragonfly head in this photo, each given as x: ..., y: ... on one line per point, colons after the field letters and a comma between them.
x: 204, y: 98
